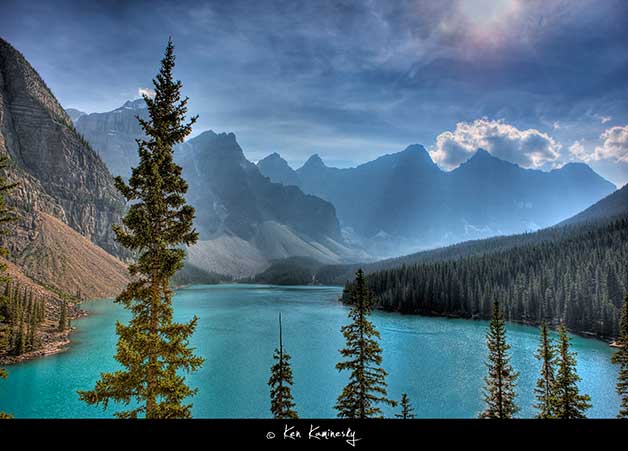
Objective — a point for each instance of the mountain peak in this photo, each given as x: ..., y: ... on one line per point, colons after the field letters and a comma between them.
x: 482, y: 154
x: 19, y: 75
x: 273, y: 157
x: 414, y: 148
x: 483, y: 158
x: 414, y: 157
x: 579, y: 169
x: 218, y: 145
x: 74, y: 113
x: 137, y: 104
x: 314, y: 162
x: 575, y: 166
x: 417, y: 150
x: 278, y: 170
x: 210, y: 135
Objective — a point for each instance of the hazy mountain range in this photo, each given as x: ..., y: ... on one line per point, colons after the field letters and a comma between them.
x: 612, y: 208
x: 248, y: 215
x: 394, y: 205
x: 403, y: 202
x: 244, y: 219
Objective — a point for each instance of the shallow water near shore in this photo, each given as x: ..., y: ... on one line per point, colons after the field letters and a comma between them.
x: 439, y: 362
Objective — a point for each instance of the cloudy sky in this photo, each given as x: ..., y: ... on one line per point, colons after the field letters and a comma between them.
x: 538, y: 83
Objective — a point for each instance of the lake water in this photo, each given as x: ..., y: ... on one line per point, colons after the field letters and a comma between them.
x: 438, y: 362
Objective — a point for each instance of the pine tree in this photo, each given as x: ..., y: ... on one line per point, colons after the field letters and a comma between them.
x: 20, y: 339
x: 545, y: 384
x: 407, y: 411
x: 568, y: 402
x: 281, y: 401
x: 367, y: 379
x: 621, y: 358
x: 152, y: 348
x: 63, y: 316
x: 499, y: 390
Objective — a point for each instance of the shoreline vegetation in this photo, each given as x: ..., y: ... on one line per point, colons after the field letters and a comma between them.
x: 52, y: 342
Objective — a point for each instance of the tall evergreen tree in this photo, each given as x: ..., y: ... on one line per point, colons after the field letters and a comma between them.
x: 363, y: 358
x: 407, y: 411
x: 152, y: 349
x: 281, y: 401
x: 499, y: 388
x: 568, y: 402
x: 544, y: 390
x: 63, y: 316
x: 621, y: 358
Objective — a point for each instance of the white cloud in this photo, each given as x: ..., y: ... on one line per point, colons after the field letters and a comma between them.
x: 556, y: 125
x: 614, y: 145
x: 603, y: 119
x: 145, y: 92
x: 527, y: 148
x: 578, y: 152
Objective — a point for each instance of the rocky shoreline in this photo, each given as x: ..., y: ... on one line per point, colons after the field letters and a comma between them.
x: 52, y: 342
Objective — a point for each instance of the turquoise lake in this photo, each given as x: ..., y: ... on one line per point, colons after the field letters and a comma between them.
x: 439, y: 362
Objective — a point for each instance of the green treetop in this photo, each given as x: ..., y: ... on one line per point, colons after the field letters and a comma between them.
x: 568, y: 402
x: 499, y: 384
x: 363, y: 358
x: 545, y: 384
x: 281, y: 401
x: 407, y: 411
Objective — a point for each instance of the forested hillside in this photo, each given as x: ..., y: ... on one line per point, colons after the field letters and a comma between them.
x: 579, y: 277
x: 305, y: 271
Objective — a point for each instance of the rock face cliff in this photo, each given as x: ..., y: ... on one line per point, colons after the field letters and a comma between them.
x: 113, y: 134
x: 58, y: 171
x: 243, y: 218
x: 65, y: 200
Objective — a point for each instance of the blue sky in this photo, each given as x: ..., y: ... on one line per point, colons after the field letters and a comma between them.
x: 539, y: 83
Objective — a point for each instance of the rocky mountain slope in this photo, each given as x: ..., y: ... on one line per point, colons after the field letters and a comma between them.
x: 113, y: 134
x: 65, y: 200
x: 244, y: 220
x: 61, y: 244
x: 65, y: 177
x: 615, y: 204
x: 278, y: 170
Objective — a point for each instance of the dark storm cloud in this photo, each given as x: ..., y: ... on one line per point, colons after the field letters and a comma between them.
x: 349, y: 80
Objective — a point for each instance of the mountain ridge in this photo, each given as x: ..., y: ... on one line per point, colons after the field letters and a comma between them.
x: 240, y: 213
x: 40, y: 138
x: 413, y: 204
x: 615, y: 204
x: 61, y: 244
